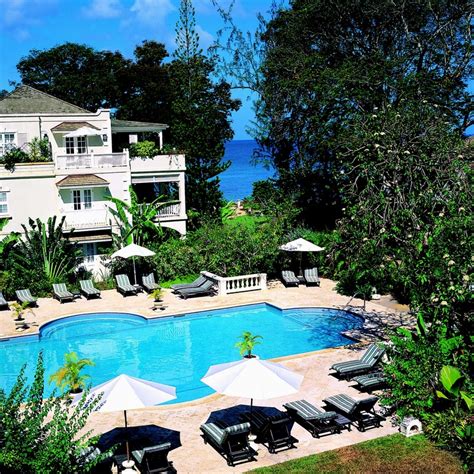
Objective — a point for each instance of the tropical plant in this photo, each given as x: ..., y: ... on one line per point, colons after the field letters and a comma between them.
x: 13, y: 156
x: 18, y: 310
x: 247, y: 343
x: 138, y: 222
x: 143, y: 149
x: 227, y: 211
x: 452, y: 381
x: 9, y: 240
x: 39, y: 149
x: 43, y: 434
x: 69, y: 378
x: 45, y: 246
x: 156, y: 294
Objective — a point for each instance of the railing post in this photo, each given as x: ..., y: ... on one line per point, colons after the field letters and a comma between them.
x: 263, y: 281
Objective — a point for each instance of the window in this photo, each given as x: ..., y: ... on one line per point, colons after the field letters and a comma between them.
x: 87, y: 198
x: 89, y: 252
x: 82, y: 199
x: 75, y: 145
x: 76, y: 199
x: 3, y: 203
x: 69, y: 146
x: 7, y: 142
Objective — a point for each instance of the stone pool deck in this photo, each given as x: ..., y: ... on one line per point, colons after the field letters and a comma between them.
x: 180, y: 423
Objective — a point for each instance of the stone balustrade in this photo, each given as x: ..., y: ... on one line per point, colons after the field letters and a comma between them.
x: 237, y: 284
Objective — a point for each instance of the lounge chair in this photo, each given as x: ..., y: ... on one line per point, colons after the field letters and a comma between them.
x: 149, y: 283
x: 154, y: 458
x: 232, y: 442
x: 363, y: 365
x: 369, y: 382
x: 3, y: 302
x: 272, y: 431
x: 124, y: 287
x: 195, y: 284
x: 61, y: 293
x: 289, y: 278
x: 316, y: 421
x: 205, y: 289
x: 24, y: 296
x: 88, y: 289
x: 361, y: 412
x: 311, y: 277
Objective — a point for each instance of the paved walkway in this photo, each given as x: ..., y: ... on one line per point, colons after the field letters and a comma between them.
x: 180, y: 423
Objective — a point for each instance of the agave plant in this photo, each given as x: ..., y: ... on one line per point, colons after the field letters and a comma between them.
x: 69, y: 378
x: 247, y: 343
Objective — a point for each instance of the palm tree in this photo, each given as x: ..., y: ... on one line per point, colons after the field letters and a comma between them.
x: 8, y: 240
x: 248, y: 342
x: 137, y: 221
x: 68, y: 377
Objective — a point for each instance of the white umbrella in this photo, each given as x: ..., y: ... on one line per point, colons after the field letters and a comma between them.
x: 252, y: 378
x: 127, y: 393
x: 133, y: 250
x: 301, y: 245
x: 83, y: 132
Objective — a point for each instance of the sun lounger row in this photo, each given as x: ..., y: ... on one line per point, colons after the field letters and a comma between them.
x: 361, y: 366
x: 341, y: 411
x: 202, y: 286
x: 310, y: 277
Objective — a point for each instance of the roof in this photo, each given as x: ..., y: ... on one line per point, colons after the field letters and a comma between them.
x: 78, y: 180
x: 28, y: 100
x: 133, y: 126
x: 91, y: 238
x: 72, y: 126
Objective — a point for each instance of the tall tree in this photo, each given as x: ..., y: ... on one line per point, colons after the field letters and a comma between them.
x: 78, y: 74
x: 146, y: 94
x: 200, y: 111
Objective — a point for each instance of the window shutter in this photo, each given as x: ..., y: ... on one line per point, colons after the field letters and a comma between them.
x: 22, y: 140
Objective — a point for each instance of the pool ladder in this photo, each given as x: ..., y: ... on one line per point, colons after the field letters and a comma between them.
x: 359, y: 293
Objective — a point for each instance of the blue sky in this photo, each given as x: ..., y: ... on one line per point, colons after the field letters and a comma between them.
x: 113, y: 25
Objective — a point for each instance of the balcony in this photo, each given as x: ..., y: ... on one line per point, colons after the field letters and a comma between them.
x: 171, y: 210
x: 158, y: 163
x: 91, y: 160
x: 86, y: 219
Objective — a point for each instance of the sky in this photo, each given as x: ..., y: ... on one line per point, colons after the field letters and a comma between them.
x: 112, y: 25
x: 115, y: 25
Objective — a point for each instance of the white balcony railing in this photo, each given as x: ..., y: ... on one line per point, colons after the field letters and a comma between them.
x: 91, y: 160
x: 171, y: 210
x: 86, y: 219
x: 238, y: 284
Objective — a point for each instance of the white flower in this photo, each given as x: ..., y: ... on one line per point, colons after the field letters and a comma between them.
x: 406, y: 152
x: 441, y: 214
x: 376, y: 145
x: 365, y: 239
x: 374, y: 116
x: 465, y: 277
x: 461, y: 209
x: 444, y: 303
x: 451, y: 263
x: 382, y: 133
x: 382, y: 230
x: 434, y: 299
x: 376, y: 134
x: 446, y: 255
x: 451, y: 288
x: 424, y: 101
x: 376, y: 108
x: 460, y: 156
x: 382, y: 265
x: 436, y: 106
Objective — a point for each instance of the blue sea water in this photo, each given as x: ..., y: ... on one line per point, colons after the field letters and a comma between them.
x: 236, y: 181
x: 173, y: 350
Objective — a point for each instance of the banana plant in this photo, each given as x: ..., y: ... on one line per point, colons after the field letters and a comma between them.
x: 137, y: 221
x: 8, y: 240
x: 453, y: 381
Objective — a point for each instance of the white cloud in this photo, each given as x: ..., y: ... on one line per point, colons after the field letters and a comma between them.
x: 103, y: 9
x: 205, y: 38
x: 152, y: 12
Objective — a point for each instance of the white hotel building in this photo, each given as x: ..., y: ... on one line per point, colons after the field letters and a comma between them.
x: 88, y: 164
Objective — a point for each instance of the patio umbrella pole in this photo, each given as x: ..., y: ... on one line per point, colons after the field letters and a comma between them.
x: 134, y: 270
x: 126, y: 435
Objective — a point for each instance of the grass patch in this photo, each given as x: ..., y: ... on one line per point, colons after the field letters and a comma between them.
x: 179, y: 280
x: 249, y: 222
x: 390, y: 454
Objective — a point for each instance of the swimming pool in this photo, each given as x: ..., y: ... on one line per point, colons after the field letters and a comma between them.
x: 175, y: 350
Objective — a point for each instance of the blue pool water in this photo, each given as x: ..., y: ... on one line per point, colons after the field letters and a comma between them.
x: 174, y: 350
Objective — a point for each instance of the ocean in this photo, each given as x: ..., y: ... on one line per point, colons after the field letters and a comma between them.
x: 236, y: 181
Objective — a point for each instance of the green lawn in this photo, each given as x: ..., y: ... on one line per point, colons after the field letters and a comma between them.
x: 390, y: 454
x: 245, y: 221
x: 177, y: 281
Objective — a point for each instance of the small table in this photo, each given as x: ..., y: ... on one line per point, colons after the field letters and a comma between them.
x: 76, y: 295
x: 138, y: 287
x: 343, y: 422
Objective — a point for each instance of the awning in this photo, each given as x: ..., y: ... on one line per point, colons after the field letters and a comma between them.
x: 82, y: 239
x: 132, y: 126
x: 81, y: 181
x: 65, y: 127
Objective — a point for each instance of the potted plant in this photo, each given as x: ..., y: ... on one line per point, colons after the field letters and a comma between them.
x: 157, y: 294
x: 18, y: 310
x: 69, y: 378
x: 247, y: 343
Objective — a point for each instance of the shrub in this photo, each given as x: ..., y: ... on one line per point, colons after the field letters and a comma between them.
x: 13, y: 156
x: 144, y: 149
